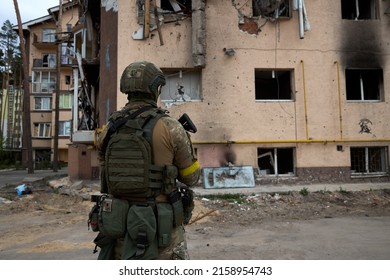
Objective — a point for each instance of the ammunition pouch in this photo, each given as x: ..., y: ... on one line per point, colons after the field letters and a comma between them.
x: 169, y: 179
x: 140, y: 240
x: 113, y: 216
x: 164, y: 224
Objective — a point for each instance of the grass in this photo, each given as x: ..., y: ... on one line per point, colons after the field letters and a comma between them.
x: 234, y: 198
x: 304, y: 191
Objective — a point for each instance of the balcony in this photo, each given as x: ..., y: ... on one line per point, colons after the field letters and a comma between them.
x: 48, y: 42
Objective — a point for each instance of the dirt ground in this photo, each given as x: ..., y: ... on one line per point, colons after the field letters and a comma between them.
x: 28, y: 223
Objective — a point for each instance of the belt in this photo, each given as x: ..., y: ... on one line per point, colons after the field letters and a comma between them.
x: 161, y: 198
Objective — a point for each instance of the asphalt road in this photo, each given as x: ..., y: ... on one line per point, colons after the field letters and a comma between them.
x: 17, y: 177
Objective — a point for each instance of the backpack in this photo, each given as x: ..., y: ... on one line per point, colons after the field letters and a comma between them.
x: 128, y: 169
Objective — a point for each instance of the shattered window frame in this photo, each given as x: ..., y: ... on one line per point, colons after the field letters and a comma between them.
x: 284, y: 12
x: 274, y: 84
x: 369, y: 160
x: 366, y: 10
x: 42, y: 130
x: 181, y: 6
x: 364, y: 84
x: 177, y: 83
x: 278, y: 161
x: 49, y: 60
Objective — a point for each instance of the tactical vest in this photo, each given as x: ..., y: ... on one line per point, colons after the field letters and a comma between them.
x: 128, y: 168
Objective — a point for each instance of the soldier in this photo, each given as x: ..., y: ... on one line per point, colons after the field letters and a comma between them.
x: 171, y: 153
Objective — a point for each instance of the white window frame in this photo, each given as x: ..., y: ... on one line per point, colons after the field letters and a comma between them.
x: 48, y: 35
x: 66, y: 101
x: 181, y: 86
x: 42, y: 83
x: 42, y: 130
x: 64, y: 128
x: 42, y: 103
x: 367, y: 167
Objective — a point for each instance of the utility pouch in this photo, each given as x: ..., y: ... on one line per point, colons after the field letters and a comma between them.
x: 177, y: 206
x: 93, y: 218
x: 169, y: 181
x: 113, y: 216
x: 140, y: 241
x: 106, y: 245
x: 164, y: 224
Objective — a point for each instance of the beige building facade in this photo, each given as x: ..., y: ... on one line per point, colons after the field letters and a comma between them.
x: 298, y: 90
x: 42, y: 45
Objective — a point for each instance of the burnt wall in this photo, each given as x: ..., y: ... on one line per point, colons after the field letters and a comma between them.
x: 318, y: 175
x: 361, y: 44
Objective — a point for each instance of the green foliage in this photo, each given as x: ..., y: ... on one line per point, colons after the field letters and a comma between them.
x: 304, y: 191
x: 234, y: 198
x: 343, y: 191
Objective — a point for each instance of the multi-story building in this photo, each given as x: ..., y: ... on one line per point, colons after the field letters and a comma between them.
x: 42, y: 43
x: 297, y: 90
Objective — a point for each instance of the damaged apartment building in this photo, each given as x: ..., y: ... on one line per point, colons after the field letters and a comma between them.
x: 283, y: 91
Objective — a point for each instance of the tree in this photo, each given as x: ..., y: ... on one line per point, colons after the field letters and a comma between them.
x: 58, y: 88
x: 27, y: 142
x: 8, y: 51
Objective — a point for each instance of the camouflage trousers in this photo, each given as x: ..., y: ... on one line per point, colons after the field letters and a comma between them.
x: 176, y: 250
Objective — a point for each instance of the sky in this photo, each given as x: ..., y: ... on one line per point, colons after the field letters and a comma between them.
x: 29, y: 9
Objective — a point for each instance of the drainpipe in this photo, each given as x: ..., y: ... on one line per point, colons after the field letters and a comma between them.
x: 300, y: 11
x: 339, y: 93
x: 304, y: 99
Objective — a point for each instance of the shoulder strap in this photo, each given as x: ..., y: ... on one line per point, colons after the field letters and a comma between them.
x: 115, y: 125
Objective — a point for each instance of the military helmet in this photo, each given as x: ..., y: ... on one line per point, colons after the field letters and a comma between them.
x: 142, y: 76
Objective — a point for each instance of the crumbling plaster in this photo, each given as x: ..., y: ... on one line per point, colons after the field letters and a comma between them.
x: 228, y: 110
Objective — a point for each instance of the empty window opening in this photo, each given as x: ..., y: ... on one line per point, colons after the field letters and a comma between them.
x: 273, y: 85
x: 366, y: 160
x: 275, y: 161
x: 364, y: 84
x: 359, y: 9
x: 272, y: 9
x: 42, y: 155
x: 181, y: 85
x: 49, y: 60
x: 177, y: 6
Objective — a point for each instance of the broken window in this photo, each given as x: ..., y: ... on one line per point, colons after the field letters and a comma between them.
x: 177, y: 6
x: 49, y: 60
x: 181, y: 85
x: 42, y: 155
x: 66, y: 56
x: 359, y: 9
x: 364, y: 84
x: 275, y: 161
x: 271, y: 8
x: 273, y: 84
x: 42, y: 130
x: 369, y: 160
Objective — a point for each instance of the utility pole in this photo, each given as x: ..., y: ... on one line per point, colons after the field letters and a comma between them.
x: 27, y: 142
x: 58, y: 88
